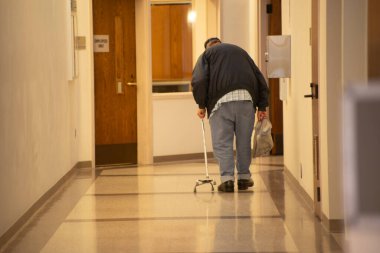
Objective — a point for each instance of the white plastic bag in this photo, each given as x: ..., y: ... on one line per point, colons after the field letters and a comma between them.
x: 262, y: 139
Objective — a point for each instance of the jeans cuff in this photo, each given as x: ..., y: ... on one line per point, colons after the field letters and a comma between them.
x: 226, y: 178
x: 244, y: 176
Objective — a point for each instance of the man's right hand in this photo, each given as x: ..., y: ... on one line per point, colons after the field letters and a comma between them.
x: 201, y: 113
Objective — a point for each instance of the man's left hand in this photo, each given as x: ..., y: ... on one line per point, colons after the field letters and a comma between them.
x: 201, y: 113
x: 261, y: 115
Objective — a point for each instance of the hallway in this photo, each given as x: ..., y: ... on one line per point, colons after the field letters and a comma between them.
x: 154, y: 209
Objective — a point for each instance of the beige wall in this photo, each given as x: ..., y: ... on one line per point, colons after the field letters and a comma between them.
x: 342, y: 60
x: 239, y: 25
x: 199, y: 28
x: 331, y: 88
x: 234, y: 22
x: 297, y: 109
x: 86, y: 130
x: 213, y: 18
x: 176, y: 127
x: 38, y: 109
x: 296, y: 21
x: 253, y: 14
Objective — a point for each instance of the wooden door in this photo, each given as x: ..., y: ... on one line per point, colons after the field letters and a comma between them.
x: 115, y: 82
x: 275, y: 104
x: 315, y: 105
x: 373, y: 39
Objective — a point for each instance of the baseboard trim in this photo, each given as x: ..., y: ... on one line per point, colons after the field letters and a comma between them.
x: 182, y: 157
x: 83, y: 164
x: 4, y: 239
x: 331, y: 225
x: 299, y: 188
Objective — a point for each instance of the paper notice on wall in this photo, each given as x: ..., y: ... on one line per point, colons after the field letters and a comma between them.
x: 101, y: 43
x: 279, y: 56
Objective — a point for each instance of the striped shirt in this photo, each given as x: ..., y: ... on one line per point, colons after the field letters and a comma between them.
x: 236, y: 95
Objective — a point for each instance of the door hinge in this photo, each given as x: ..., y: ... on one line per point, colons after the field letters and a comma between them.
x: 73, y: 6
x: 319, y: 194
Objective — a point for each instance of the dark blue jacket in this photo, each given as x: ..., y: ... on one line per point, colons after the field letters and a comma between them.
x: 224, y: 68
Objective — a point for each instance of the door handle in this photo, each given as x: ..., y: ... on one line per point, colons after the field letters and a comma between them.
x: 314, y: 91
x: 132, y: 84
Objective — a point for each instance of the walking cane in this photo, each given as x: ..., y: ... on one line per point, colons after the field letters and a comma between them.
x: 207, y: 180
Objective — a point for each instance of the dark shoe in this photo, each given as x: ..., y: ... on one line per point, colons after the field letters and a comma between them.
x: 227, y: 186
x: 243, y: 184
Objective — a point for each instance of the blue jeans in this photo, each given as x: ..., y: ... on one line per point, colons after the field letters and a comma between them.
x: 233, y: 119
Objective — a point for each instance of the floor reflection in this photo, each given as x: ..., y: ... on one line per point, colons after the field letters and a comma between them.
x: 154, y: 209
x: 298, y: 216
x: 235, y: 232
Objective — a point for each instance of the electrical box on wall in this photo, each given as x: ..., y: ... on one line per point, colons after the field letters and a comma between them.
x: 278, y: 57
x: 80, y: 42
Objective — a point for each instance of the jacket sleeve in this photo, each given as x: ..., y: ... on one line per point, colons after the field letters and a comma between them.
x: 263, y: 90
x: 200, y: 81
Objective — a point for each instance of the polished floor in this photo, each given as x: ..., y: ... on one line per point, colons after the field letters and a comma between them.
x: 154, y: 209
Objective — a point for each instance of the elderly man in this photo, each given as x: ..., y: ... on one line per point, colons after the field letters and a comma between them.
x: 227, y: 83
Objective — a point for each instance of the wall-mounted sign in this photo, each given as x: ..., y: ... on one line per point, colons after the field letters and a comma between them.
x: 101, y: 43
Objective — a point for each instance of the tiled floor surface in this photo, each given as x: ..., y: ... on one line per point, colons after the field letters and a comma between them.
x: 154, y: 209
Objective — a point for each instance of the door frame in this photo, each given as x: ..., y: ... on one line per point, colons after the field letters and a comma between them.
x: 262, y: 36
x: 144, y: 83
x: 315, y: 16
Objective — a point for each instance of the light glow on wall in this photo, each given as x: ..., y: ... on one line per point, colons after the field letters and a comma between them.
x: 191, y: 16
